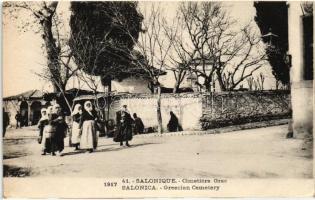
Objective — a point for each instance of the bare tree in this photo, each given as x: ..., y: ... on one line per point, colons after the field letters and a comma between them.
x: 150, y: 54
x: 64, y: 65
x: 260, y: 81
x: 44, y: 19
x: 250, y: 83
x: 192, y: 43
x: 222, y: 51
x: 42, y: 15
x: 181, y: 54
x: 256, y: 85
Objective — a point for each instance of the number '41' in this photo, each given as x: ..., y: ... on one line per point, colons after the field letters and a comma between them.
x: 125, y: 180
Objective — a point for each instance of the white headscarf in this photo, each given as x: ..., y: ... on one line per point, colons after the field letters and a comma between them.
x: 44, y: 115
x: 88, y: 109
x: 76, y: 109
x: 124, y: 109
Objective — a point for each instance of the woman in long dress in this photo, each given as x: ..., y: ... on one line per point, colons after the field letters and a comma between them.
x: 88, y: 125
x: 41, y: 123
x: 173, y: 125
x: 48, y: 131
x: 76, y: 131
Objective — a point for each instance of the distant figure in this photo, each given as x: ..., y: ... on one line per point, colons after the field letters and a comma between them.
x: 76, y: 131
x: 43, y: 121
x: 18, y: 118
x: 138, y: 124
x: 173, y: 125
x: 124, y: 126
x: 6, y: 121
x: 89, y: 118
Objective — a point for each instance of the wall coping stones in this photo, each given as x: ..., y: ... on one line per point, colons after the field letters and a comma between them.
x: 233, y: 128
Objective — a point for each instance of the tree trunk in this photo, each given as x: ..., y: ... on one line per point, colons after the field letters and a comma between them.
x: 159, y: 115
x: 109, y: 89
x: 52, y: 53
x: 176, y: 87
x: 207, y: 84
x: 221, y: 83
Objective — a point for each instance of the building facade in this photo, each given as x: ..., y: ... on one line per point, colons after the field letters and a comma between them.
x: 300, y: 33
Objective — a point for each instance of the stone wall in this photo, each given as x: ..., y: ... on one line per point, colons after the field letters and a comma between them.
x: 199, y: 111
x: 187, y: 107
x: 230, y: 108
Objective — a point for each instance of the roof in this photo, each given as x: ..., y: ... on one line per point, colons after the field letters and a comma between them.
x: 87, y: 97
x: 136, y: 69
x: 28, y: 95
x: 37, y: 94
x: 100, y: 95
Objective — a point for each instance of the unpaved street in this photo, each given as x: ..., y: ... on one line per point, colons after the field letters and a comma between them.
x: 255, y: 153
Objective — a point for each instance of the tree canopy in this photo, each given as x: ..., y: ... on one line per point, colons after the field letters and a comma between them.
x: 100, y: 44
x: 273, y: 16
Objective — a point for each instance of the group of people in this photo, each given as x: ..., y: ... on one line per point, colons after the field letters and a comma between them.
x: 53, y: 128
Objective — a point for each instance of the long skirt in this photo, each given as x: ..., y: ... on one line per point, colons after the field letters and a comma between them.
x: 89, y: 135
x: 75, y: 133
x: 46, y: 143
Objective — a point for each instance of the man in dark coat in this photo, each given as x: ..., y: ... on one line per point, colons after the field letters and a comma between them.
x: 61, y: 127
x: 124, y: 126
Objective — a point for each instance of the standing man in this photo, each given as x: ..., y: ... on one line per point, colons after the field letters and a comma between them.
x: 60, y: 130
x: 18, y: 118
x: 124, y: 126
x: 6, y: 121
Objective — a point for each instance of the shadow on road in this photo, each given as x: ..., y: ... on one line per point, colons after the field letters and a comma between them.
x: 14, y: 171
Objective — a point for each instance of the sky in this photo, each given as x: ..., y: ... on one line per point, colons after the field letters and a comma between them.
x: 23, y: 56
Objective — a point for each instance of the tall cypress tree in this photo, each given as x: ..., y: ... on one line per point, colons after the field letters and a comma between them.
x: 274, y: 16
x: 103, y: 35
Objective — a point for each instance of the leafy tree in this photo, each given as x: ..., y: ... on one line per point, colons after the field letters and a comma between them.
x: 273, y: 16
x: 99, y: 42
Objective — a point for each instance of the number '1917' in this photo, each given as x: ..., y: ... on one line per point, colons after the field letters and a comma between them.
x: 110, y: 184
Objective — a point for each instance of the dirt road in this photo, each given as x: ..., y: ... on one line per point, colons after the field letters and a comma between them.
x: 255, y: 153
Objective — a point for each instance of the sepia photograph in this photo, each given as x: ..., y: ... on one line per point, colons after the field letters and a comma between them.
x: 134, y: 99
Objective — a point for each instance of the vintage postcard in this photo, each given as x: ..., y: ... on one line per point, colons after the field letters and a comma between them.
x: 136, y: 99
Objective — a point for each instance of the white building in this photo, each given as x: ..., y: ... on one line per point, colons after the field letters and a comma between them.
x: 301, y: 23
